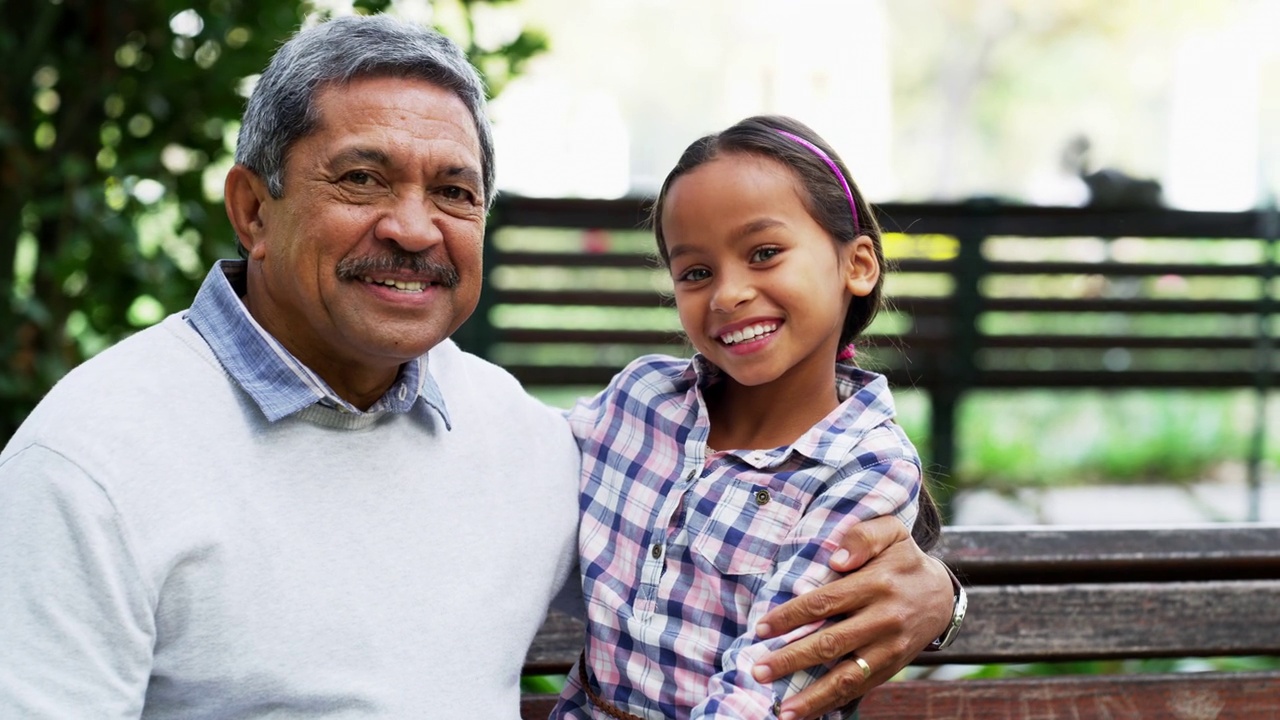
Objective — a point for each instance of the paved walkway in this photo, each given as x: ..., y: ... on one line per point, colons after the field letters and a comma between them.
x: 1222, y: 499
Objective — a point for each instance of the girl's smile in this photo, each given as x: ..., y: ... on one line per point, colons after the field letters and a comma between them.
x: 747, y: 337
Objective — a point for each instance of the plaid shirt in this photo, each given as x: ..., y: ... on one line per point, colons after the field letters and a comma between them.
x: 683, y: 551
x: 276, y: 380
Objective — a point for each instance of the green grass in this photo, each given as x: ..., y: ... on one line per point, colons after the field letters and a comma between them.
x: 1054, y: 438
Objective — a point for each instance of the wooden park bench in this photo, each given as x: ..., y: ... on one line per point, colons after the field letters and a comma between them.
x: 983, y: 296
x: 1050, y: 594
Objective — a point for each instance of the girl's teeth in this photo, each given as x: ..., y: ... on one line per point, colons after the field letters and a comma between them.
x: 747, y: 333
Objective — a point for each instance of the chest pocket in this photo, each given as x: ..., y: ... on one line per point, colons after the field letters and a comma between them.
x: 747, y: 527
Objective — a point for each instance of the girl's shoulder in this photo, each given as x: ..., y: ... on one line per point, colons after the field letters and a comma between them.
x: 654, y: 368
x: 645, y: 383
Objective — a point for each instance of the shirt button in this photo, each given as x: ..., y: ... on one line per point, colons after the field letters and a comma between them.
x: 777, y: 707
x: 657, y: 551
x: 762, y: 497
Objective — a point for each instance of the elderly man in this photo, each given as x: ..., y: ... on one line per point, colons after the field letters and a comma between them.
x: 299, y: 499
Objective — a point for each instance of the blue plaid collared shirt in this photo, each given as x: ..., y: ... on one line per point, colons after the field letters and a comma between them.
x: 276, y: 380
x: 683, y: 548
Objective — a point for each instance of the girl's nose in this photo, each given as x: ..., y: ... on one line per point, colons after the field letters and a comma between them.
x: 731, y: 292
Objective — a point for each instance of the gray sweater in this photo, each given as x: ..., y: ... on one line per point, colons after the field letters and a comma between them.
x: 165, y: 552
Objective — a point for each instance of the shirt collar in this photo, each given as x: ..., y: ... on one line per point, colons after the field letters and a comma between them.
x: 865, y: 404
x: 276, y: 380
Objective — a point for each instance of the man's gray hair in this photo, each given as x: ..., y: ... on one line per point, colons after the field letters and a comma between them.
x: 282, y: 108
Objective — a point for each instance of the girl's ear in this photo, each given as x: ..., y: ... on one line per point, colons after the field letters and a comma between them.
x: 862, y: 270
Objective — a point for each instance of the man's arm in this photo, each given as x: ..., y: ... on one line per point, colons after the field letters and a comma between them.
x: 899, y: 601
x: 885, y: 490
x: 77, y: 629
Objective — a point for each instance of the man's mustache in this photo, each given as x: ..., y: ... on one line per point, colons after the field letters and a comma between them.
x: 419, y: 264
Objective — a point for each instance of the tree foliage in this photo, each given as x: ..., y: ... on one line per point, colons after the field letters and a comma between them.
x: 117, y: 122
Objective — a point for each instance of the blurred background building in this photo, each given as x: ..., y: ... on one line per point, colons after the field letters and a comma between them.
x: 927, y: 100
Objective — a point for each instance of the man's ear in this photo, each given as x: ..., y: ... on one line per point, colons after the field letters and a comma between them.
x: 245, y: 195
x: 862, y: 270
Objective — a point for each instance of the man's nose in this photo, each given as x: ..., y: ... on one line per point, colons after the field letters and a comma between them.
x: 413, y: 222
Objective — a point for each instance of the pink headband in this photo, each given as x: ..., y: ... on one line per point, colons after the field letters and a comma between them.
x: 835, y: 169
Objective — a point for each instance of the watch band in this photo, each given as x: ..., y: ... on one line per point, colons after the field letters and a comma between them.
x: 949, y: 635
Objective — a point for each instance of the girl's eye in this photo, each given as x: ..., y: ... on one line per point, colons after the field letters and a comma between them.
x: 764, y: 254
x: 694, y: 275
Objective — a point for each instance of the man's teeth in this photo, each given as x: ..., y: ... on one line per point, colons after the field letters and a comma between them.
x: 750, y: 332
x: 409, y: 286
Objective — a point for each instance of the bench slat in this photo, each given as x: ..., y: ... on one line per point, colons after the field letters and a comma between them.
x: 1107, y: 269
x: 556, y: 647
x: 645, y: 261
x: 1220, y: 696
x: 536, y: 707
x: 911, y: 340
x: 585, y: 298
x: 1028, y: 623
x: 1040, y: 554
x: 917, y: 306
x: 912, y: 378
x: 946, y: 218
x: 1123, y: 380
x: 577, y: 260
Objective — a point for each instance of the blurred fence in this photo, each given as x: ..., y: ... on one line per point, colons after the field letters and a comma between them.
x: 981, y: 295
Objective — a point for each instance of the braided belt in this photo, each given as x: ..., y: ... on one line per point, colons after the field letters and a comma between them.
x: 600, y: 703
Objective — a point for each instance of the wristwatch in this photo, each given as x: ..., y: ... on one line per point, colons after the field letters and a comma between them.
x: 949, y: 635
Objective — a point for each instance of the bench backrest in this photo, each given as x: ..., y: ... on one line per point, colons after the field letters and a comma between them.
x: 1044, y: 594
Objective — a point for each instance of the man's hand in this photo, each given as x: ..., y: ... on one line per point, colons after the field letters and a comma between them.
x: 898, y: 601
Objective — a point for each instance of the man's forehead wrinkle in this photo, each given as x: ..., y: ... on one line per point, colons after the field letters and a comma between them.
x: 361, y: 154
x: 383, y: 158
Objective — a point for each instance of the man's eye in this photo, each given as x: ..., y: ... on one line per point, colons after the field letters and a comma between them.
x: 454, y: 192
x: 358, y: 177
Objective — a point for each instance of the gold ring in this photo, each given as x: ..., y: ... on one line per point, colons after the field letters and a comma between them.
x: 866, y: 669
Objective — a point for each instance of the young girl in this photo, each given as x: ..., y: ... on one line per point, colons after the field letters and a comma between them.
x: 714, y: 489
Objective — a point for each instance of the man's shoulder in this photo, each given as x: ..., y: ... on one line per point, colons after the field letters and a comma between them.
x: 465, y: 377
x: 473, y: 385
x: 497, y: 422
x: 446, y: 362
x: 153, y: 369
x: 168, y: 350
